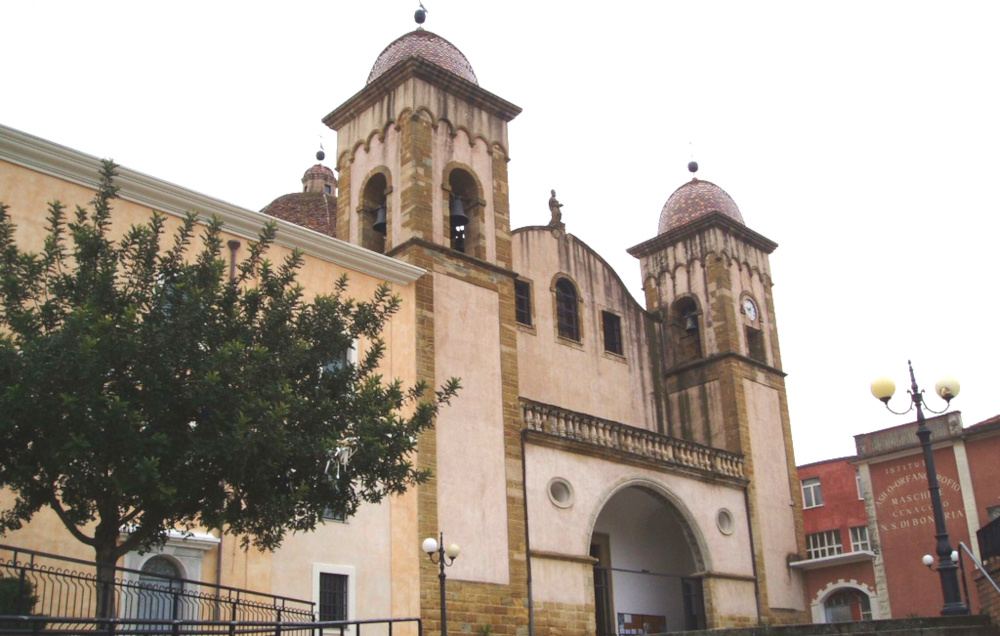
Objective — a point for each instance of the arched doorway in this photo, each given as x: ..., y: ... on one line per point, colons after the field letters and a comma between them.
x: 646, y: 576
x: 847, y: 604
x: 160, y: 588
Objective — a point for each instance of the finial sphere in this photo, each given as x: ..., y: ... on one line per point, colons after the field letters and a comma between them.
x: 693, y: 166
x: 320, y: 155
x: 419, y: 16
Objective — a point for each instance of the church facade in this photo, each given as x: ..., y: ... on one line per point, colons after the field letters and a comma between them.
x: 608, y: 467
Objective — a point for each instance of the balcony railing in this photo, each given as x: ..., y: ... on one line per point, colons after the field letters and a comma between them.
x: 63, y: 589
x: 638, y: 442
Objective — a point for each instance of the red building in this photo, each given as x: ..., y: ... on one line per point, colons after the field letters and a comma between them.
x: 868, y: 518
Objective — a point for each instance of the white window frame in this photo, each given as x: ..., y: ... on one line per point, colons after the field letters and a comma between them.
x: 824, y: 544
x: 859, y: 539
x: 348, y: 571
x: 861, y: 488
x: 813, y: 486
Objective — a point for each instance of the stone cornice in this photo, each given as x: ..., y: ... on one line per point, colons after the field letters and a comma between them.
x: 416, y: 67
x: 708, y: 360
x: 715, y: 219
x: 76, y: 167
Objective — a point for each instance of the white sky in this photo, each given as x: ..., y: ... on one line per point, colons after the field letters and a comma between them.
x: 862, y: 137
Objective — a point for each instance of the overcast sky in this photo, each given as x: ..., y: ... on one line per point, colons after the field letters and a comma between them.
x: 862, y: 137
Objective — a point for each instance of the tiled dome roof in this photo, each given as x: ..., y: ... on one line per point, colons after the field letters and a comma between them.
x: 426, y: 45
x: 319, y: 170
x: 694, y: 200
x: 313, y: 210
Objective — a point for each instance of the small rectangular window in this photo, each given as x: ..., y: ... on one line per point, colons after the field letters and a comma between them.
x: 859, y: 539
x: 612, y: 333
x: 993, y: 512
x: 522, y: 302
x: 861, y: 488
x: 823, y: 544
x: 332, y: 597
x: 755, y: 345
x: 812, y: 495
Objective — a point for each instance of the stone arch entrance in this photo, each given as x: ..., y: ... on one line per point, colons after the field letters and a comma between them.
x: 647, y: 575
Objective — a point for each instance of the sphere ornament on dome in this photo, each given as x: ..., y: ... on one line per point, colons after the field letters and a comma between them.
x: 425, y: 45
x: 694, y: 200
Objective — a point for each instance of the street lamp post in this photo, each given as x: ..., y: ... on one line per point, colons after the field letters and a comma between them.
x: 445, y: 556
x: 947, y: 388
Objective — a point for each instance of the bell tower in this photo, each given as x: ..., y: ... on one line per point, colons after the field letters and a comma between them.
x: 709, y: 278
x: 422, y: 157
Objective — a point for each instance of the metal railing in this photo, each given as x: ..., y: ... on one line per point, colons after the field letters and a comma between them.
x: 61, y: 588
x: 559, y: 422
x: 32, y: 625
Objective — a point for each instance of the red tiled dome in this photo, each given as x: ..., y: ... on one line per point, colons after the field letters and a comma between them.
x: 313, y: 210
x: 694, y: 200
x: 426, y: 45
x: 319, y: 170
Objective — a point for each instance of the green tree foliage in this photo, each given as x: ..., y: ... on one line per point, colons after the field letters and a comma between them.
x: 142, y: 389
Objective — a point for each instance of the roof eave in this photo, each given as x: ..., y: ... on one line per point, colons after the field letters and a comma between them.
x: 417, y: 67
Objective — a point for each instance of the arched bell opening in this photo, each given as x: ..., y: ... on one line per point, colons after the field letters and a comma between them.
x: 647, y: 575
x: 465, y: 214
x: 684, y: 325
x: 373, y: 214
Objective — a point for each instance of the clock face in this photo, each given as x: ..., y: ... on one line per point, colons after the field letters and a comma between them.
x: 750, y: 308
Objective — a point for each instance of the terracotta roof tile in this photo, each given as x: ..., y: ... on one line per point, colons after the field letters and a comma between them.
x: 313, y: 210
x: 426, y: 45
x: 694, y: 200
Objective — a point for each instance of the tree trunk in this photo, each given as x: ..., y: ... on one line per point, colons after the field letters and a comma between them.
x: 107, y: 559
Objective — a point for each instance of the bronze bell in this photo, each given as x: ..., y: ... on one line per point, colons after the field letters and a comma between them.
x: 379, y: 225
x: 457, y: 216
x: 691, y: 323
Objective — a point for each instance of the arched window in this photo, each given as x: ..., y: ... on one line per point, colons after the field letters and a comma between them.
x: 567, y: 310
x: 373, y: 214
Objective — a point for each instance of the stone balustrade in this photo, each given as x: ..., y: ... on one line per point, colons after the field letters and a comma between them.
x: 565, y: 424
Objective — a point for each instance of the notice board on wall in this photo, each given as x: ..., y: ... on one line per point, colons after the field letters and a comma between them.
x: 629, y: 624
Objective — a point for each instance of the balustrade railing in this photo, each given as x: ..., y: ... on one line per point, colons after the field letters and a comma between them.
x: 562, y: 423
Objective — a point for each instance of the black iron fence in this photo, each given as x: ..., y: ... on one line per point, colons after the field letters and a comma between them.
x: 38, y: 625
x: 989, y: 539
x: 56, y: 594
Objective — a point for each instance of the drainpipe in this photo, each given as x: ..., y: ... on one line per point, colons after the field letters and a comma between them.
x: 527, y: 540
x: 753, y: 554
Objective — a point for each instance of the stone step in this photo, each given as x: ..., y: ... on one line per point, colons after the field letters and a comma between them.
x: 933, y: 626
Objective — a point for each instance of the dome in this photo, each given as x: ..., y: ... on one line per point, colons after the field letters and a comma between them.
x: 320, y: 171
x: 313, y: 210
x: 694, y: 200
x: 426, y: 45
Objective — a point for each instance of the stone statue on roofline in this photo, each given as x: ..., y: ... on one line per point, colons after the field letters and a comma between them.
x: 554, y: 208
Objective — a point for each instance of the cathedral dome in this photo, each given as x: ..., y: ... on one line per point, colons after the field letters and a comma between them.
x: 425, y: 45
x: 694, y: 200
x: 315, y: 207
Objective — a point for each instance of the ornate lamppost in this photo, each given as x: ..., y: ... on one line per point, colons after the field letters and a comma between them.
x: 445, y: 556
x: 947, y: 388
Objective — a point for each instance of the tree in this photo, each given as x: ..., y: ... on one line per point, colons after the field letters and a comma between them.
x: 143, y: 390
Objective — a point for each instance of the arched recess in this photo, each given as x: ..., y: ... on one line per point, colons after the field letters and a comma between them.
x: 684, y: 324
x: 465, y: 214
x: 845, y: 601
x: 649, y: 557
x: 161, y: 582
x: 373, y: 213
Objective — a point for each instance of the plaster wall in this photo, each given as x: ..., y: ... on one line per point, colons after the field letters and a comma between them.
x: 471, y: 471
x: 594, y: 481
x: 614, y: 387
x: 776, y: 509
x: 696, y: 414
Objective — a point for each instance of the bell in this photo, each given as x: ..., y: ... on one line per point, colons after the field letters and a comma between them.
x: 458, y: 216
x: 379, y: 225
x: 691, y: 324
